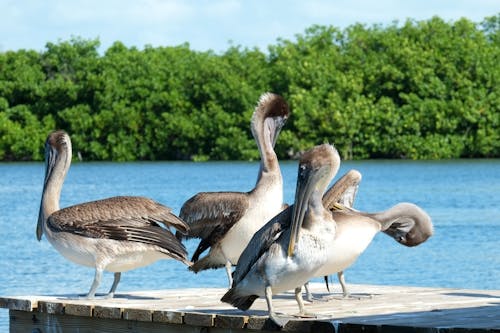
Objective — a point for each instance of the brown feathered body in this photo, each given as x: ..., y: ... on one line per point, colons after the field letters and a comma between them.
x: 119, y: 233
x: 115, y: 234
x: 226, y: 221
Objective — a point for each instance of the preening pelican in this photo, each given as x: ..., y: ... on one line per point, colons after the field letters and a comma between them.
x: 225, y: 221
x: 341, y: 193
x: 115, y: 234
x: 407, y: 223
x: 290, y: 248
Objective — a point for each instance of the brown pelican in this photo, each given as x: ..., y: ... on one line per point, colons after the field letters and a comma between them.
x: 115, y: 234
x: 225, y: 221
x: 290, y: 248
x: 264, y: 268
x: 407, y: 223
x: 342, y: 193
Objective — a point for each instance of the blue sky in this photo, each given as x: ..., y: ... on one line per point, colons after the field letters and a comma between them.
x: 205, y: 24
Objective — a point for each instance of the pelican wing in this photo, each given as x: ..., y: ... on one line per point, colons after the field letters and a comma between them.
x: 343, y: 191
x: 211, y: 214
x: 347, y: 198
x: 121, y: 218
x: 261, y: 242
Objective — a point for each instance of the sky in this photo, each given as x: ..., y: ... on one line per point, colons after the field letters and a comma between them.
x: 208, y: 24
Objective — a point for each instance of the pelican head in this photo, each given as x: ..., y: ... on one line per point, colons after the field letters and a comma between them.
x: 317, y: 167
x: 410, y: 225
x: 269, y: 117
x: 57, y: 161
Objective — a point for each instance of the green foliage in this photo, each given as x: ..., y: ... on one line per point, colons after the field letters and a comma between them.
x: 420, y: 90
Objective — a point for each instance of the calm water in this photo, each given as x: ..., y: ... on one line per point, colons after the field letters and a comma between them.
x: 462, y: 197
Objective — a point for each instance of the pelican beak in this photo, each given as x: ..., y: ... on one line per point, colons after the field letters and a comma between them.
x: 39, y: 230
x: 303, y: 192
x: 274, y: 126
x: 50, y: 160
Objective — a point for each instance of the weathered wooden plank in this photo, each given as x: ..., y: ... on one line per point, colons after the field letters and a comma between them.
x: 199, y: 319
x: 18, y: 304
x: 137, y: 314
x: 260, y: 323
x: 22, y: 322
x: 293, y: 325
x: 389, y: 307
x: 52, y: 307
x: 303, y: 326
x: 172, y: 317
x: 107, y: 312
x: 230, y: 321
x: 82, y: 310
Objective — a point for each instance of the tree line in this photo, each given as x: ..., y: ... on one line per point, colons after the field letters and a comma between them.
x: 420, y: 90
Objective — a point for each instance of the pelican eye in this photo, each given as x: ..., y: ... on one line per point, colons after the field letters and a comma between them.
x: 302, y: 170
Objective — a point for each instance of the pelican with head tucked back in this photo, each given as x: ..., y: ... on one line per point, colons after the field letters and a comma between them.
x: 342, y: 193
x: 292, y: 246
x: 407, y: 223
x: 115, y: 234
x: 225, y: 221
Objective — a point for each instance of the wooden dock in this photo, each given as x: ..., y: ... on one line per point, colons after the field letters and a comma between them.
x: 377, y: 309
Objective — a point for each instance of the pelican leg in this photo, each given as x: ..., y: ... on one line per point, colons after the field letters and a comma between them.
x: 96, y: 283
x: 116, y: 280
x: 229, y: 272
x: 298, y: 298
x: 345, y: 292
x: 309, y: 295
x: 326, y: 282
x: 300, y: 302
x: 281, y: 322
x: 341, y: 278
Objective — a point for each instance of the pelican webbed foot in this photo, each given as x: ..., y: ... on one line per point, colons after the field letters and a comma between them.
x: 95, y: 296
x: 348, y: 297
x: 305, y: 315
x: 109, y: 296
x: 273, y: 316
x: 280, y: 321
x: 357, y: 296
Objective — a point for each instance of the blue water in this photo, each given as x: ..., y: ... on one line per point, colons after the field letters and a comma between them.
x: 462, y: 197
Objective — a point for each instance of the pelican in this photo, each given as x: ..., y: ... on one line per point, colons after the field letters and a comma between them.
x: 291, y: 247
x: 225, y: 221
x: 115, y: 234
x: 407, y: 223
x: 342, y: 193
x: 263, y: 261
